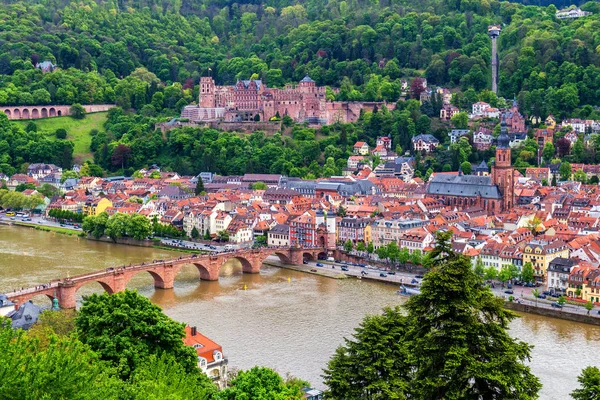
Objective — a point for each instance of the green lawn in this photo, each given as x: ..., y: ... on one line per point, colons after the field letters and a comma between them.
x: 78, y: 131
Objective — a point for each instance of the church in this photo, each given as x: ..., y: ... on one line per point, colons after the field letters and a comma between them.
x: 493, y: 193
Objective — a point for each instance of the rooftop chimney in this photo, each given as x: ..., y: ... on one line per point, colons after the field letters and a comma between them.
x: 193, y: 331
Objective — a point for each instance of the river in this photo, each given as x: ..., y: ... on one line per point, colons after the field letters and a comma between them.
x: 286, y: 320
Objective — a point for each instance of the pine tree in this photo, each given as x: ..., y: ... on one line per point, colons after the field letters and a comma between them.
x: 199, y: 187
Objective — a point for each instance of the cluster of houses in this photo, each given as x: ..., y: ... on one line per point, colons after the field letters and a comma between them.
x: 556, y: 229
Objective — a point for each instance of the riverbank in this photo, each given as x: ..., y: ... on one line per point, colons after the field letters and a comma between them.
x: 552, y: 312
x: 44, y: 228
x: 308, y: 269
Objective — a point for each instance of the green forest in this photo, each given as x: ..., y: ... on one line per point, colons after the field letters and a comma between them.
x: 147, y: 57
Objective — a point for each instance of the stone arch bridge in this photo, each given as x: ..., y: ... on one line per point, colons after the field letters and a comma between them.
x: 163, y: 271
x: 35, y: 112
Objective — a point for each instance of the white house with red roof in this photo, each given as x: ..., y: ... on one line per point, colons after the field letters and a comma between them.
x: 361, y: 148
x: 211, y: 360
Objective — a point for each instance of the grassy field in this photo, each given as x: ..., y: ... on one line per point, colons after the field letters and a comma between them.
x: 78, y: 131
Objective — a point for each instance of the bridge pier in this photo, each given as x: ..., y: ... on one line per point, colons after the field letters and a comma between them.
x: 168, y: 278
x: 67, y: 294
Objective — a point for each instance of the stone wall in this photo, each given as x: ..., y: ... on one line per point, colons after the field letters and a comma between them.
x: 552, y: 312
x: 246, y: 127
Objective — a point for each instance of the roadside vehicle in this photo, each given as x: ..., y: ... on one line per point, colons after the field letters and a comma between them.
x: 319, y: 265
x: 10, y: 214
x: 419, y: 276
x: 345, y: 269
x: 383, y: 275
x: 509, y: 291
x: 556, y: 305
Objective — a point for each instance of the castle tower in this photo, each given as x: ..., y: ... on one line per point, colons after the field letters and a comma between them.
x: 207, y: 92
x: 502, y: 173
x: 494, y: 32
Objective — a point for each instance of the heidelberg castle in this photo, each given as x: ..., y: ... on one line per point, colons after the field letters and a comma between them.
x: 252, y: 100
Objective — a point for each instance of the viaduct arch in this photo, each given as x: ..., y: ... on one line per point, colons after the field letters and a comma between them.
x: 163, y: 272
x: 36, y: 112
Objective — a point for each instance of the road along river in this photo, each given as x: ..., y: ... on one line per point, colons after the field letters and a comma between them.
x: 287, y: 320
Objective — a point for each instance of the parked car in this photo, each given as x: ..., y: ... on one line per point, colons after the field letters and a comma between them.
x: 305, y: 262
x: 509, y: 291
x: 338, y: 261
x: 419, y: 276
x: 529, y: 284
x: 319, y: 265
x: 541, y: 296
x: 556, y: 305
x: 345, y: 268
x: 383, y: 275
x: 547, y: 293
x: 364, y: 273
x: 313, y: 270
x: 392, y: 273
x: 509, y: 286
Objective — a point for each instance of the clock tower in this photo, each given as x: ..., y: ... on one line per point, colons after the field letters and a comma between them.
x: 502, y: 173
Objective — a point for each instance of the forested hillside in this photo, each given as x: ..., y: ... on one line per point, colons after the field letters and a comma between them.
x: 340, y: 43
x: 147, y: 57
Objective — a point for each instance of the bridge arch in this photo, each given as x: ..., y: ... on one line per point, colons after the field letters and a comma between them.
x: 35, y: 113
x: 7, y: 112
x: 282, y: 257
x: 322, y: 255
x: 206, y: 273
x: 17, y: 114
x: 308, y: 256
x: 25, y: 113
x: 44, y: 112
x: 106, y: 286
x: 59, y: 113
x: 52, y: 112
x: 159, y: 280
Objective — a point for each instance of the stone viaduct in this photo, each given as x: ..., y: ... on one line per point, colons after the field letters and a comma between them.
x: 163, y: 271
x: 35, y: 112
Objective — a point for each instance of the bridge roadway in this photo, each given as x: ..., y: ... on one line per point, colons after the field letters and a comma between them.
x: 115, y: 279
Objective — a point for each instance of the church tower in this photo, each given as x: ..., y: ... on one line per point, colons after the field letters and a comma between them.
x: 502, y: 173
x: 207, y: 92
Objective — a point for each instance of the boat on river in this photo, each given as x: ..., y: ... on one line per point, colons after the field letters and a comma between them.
x: 406, y: 291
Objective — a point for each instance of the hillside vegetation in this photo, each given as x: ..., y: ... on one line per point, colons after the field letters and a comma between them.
x: 79, y: 131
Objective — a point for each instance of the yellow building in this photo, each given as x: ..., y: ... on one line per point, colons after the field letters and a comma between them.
x: 367, y: 234
x: 541, y: 252
x: 96, y: 206
x: 550, y: 122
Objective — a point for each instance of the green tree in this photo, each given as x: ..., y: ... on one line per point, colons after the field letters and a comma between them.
x: 589, y: 306
x: 447, y: 322
x: 77, y: 111
x: 466, y: 167
x: 370, y: 248
x: 55, y: 368
x: 382, y: 253
x: 341, y: 211
x: 348, y: 245
x: 125, y: 328
x: 479, y: 267
x: 360, y: 246
x: 195, y: 234
x: 260, y: 383
x: 116, y: 226
x: 223, y: 236
x: 374, y: 363
x: 548, y: 152
x: 565, y: 171
x: 460, y: 120
x: 416, y: 257
x: 60, y: 133
x: 259, y: 186
x: 162, y: 377
x: 527, y: 272
x: 589, y: 381
x: 535, y: 293
x: 206, y: 235
x: 561, y: 300
x: 138, y: 227
x: 199, y: 187
x: 491, y: 273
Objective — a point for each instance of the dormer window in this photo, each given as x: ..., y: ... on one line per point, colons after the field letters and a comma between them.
x: 218, y: 355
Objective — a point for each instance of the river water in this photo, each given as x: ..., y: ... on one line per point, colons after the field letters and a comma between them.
x: 283, y: 319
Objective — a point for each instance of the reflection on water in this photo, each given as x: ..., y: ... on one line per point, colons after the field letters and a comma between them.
x: 283, y: 319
